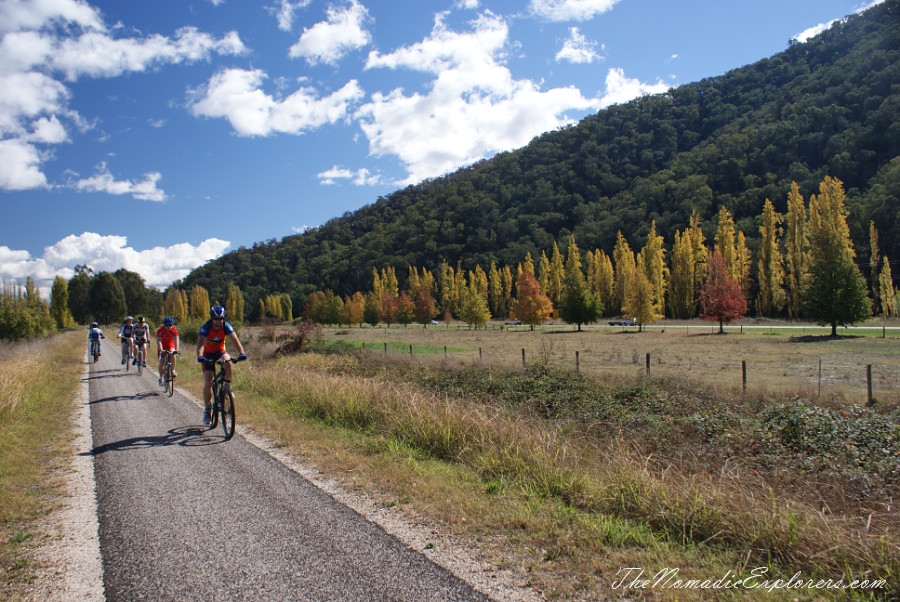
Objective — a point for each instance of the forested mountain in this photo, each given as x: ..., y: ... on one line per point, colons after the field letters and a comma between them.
x: 827, y: 107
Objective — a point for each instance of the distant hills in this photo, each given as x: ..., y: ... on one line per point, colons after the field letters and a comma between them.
x: 830, y: 106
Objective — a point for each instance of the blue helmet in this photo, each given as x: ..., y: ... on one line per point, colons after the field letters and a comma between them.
x: 217, y: 311
x: 169, y: 321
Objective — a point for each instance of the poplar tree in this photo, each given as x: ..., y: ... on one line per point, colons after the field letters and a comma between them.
x: 557, y: 276
x: 652, y: 262
x: 725, y: 241
x: 543, y: 275
x: 354, y: 308
x: 836, y: 291
x: 506, y: 280
x: 742, y: 263
x: 874, y: 265
x: 640, y: 300
x: 623, y: 257
x: 474, y: 307
x: 681, y: 280
x: 234, y: 304
x: 797, y: 254
x: 888, y: 294
x: 174, y: 306
x: 59, y: 303
x: 495, y: 290
x: 199, y: 305
x: 771, y: 297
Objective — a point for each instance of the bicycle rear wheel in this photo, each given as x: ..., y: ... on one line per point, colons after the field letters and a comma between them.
x: 228, y: 414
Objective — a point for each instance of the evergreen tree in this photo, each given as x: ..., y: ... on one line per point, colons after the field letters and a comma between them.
x: 578, y: 304
x: 836, y: 291
x: 59, y: 304
x: 107, y: 300
x: 771, y: 297
x: 79, y: 294
x: 797, y: 250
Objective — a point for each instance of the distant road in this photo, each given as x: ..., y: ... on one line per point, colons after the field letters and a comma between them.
x: 185, y: 515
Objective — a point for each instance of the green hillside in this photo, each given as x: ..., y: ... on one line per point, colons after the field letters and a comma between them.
x: 830, y: 106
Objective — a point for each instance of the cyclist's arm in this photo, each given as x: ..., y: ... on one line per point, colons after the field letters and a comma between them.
x: 201, y: 341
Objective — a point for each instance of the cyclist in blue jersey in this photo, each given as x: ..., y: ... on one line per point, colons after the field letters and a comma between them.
x: 211, y: 347
x: 126, y: 335
x: 95, y: 334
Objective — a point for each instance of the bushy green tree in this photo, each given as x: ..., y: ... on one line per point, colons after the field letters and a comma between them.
x: 836, y: 291
x: 107, y: 300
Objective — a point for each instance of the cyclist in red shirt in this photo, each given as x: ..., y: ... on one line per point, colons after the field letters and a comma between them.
x: 166, y: 340
x: 210, y: 347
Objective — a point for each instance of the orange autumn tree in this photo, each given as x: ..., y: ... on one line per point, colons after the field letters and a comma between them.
x: 721, y: 296
x: 532, y: 305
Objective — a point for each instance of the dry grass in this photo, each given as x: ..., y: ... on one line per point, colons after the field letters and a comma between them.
x: 37, y: 385
x: 567, y: 507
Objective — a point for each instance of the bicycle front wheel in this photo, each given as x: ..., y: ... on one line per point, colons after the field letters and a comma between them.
x: 228, y: 414
x: 214, y: 409
x: 140, y: 362
x: 170, y: 380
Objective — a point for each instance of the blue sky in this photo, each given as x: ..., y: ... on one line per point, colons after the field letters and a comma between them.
x: 156, y: 136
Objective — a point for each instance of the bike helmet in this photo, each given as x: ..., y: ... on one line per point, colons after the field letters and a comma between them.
x: 94, y: 325
x: 140, y: 318
x: 169, y: 321
x: 129, y: 318
x: 217, y: 311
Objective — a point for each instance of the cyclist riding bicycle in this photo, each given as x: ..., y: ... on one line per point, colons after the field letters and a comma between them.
x: 166, y: 341
x: 126, y: 335
x: 211, y: 347
x: 141, y: 336
x: 95, y: 334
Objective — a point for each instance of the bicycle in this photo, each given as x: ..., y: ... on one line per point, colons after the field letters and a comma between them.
x: 95, y: 350
x: 139, y: 357
x: 126, y: 353
x: 169, y: 373
x: 222, y: 399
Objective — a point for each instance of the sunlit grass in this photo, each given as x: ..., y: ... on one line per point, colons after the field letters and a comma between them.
x: 570, y: 504
x: 38, y: 382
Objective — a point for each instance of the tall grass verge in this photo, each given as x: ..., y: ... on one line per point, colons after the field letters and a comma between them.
x: 604, y: 486
x: 38, y: 382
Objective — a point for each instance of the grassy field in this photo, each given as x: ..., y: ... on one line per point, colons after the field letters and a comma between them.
x: 569, y: 477
x: 38, y: 381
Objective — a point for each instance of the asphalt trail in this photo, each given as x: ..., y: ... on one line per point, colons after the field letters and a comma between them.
x: 186, y: 515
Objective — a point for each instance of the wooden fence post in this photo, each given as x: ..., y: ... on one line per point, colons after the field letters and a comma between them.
x: 648, y: 364
x: 523, y: 357
x: 870, y: 400
x: 744, y: 375
x: 577, y: 362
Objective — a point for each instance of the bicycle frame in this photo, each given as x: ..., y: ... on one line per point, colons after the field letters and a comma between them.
x: 222, y: 399
x: 168, y: 373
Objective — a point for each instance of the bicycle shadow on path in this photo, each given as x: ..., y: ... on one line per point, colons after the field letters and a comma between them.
x: 185, y: 436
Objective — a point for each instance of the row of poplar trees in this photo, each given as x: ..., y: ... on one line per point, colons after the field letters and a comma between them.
x: 805, y: 268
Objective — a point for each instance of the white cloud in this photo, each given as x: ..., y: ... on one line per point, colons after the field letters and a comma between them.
x: 235, y: 94
x: 473, y: 109
x: 103, y: 181
x: 284, y: 12
x: 620, y: 89
x: 815, y: 30
x: 360, y: 177
x: 159, y: 266
x: 328, y: 41
x: 570, y: 10
x: 46, y: 43
x: 578, y: 49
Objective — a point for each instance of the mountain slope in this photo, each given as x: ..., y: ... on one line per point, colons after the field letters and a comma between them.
x: 830, y: 106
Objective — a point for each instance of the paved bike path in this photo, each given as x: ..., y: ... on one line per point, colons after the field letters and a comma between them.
x: 185, y: 515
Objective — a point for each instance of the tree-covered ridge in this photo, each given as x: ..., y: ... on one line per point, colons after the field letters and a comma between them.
x: 827, y: 107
